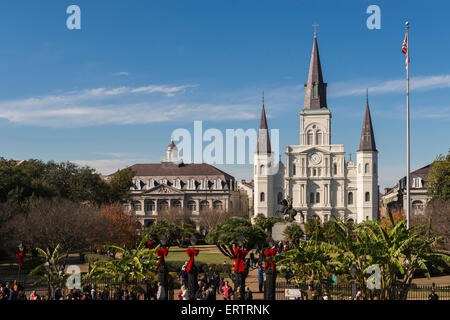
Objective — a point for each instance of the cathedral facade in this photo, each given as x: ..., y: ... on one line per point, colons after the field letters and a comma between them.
x: 317, y: 179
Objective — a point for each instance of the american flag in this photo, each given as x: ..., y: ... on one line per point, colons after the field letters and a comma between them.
x: 405, y: 50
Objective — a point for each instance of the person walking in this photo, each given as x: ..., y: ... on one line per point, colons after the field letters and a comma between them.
x: 248, y: 294
x: 227, y: 291
x: 433, y: 295
x: 34, y: 296
x: 161, y: 293
x: 261, y: 278
x: 185, y: 293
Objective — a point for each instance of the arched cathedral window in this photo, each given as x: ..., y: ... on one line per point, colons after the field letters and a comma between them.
x: 367, y: 196
x: 319, y: 137
x: 350, y: 198
x: 315, y: 91
x: 261, y: 197
x: 318, y: 197
x: 311, y: 197
x: 309, y: 138
x: 366, y: 168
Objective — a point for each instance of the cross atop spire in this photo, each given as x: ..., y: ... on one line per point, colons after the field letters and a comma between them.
x: 315, y: 25
x: 315, y: 88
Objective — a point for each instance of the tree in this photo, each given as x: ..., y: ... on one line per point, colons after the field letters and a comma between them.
x: 177, y: 216
x: 438, y: 211
x: 266, y: 223
x: 438, y: 180
x: 293, y: 233
x: 51, y: 271
x: 309, y: 262
x: 120, y: 229
x: 398, y: 252
x: 172, y: 232
x: 134, y: 265
x: 120, y: 185
x: 225, y: 236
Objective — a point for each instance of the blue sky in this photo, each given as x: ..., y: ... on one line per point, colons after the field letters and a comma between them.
x: 110, y: 95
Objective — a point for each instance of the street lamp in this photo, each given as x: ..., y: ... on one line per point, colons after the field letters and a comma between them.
x: 163, y: 240
x: 193, y: 240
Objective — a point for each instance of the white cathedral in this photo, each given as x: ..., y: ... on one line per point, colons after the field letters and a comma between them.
x: 317, y: 178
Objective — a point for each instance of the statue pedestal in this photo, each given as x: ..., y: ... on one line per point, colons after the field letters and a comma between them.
x: 278, y: 228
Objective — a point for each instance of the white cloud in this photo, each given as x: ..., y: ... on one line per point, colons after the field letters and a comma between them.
x: 122, y: 73
x: 421, y: 83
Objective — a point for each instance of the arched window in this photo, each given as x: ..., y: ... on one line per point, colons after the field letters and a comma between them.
x: 417, y: 207
x: 366, y: 168
x: 367, y: 196
x: 149, y: 205
x: 314, y: 172
x: 218, y: 205
x: 335, y: 168
x: 204, y: 205
x: 317, y: 197
x: 163, y: 205
x: 279, y: 197
x: 261, y: 197
x: 311, y: 197
x: 137, y: 206
x: 350, y: 198
x: 192, y: 206
x: 294, y: 171
x: 261, y: 169
x: 176, y: 203
x: 350, y: 221
x: 309, y: 138
x: 319, y: 137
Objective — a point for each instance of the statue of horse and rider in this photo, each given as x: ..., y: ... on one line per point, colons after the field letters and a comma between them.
x: 288, y: 212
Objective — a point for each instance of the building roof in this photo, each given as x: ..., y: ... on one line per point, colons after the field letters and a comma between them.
x: 315, y: 88
x: 367, y: 137
x: 419, y: 173
x: 263, y: 143
x: 182, y: 170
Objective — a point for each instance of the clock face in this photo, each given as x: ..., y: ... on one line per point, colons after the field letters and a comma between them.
x: 315, y: 158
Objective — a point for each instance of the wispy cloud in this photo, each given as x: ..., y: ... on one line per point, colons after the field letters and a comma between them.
x: 422, y: 83
x: 122, y: 73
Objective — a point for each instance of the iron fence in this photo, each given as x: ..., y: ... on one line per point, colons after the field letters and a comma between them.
x: 346, y: 292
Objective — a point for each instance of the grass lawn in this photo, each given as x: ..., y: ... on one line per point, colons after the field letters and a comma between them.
x: 207, y: 254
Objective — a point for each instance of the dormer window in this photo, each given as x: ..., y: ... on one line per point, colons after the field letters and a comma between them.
x: 205, y: 184
x: 163, y: 181
x: 177, y: 183
x: 218, y: 184
x: 315, y: 91
x: 191, y: 184
x: 417, y: 182
x: 150, y: 183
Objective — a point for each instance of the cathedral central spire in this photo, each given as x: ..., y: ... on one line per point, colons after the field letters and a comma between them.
x: 315, y: 88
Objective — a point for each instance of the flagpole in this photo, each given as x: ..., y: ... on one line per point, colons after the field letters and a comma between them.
x: 408, y: 206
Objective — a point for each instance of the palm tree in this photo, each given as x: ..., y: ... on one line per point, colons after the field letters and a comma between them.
x: 52, y: 270
x: 133, y: 265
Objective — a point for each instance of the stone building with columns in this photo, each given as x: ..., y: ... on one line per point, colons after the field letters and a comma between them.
x: 172, y: 184
x: 317, y: 177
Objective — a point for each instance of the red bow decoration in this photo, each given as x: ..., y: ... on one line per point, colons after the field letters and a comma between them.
x: 240, y: 254
x: 161, y: 252
x: 270, y: 253
x: 150, y: 245
x: 20, y: 256
x: 191, y: 253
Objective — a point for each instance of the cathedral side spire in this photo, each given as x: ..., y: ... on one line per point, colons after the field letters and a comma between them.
x: 315, y: 88
x: 263, y: 144
x: 367, y: 137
